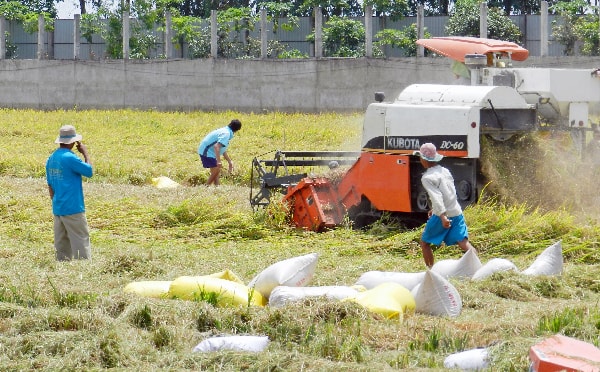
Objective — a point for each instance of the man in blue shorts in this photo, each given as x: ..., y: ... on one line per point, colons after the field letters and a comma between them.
x: 446, y: 222
x: 213, y: 146
x: 64, y: 170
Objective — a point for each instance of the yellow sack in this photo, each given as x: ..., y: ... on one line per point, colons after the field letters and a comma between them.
x: 227, y: 275
x: 388, y: 299
x: 154, y: 289
x: 226, y: 292
x: 163, y: 182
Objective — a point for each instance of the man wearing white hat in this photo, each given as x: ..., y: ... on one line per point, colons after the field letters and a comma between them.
x: 64, y: 170
x: 446, y: 222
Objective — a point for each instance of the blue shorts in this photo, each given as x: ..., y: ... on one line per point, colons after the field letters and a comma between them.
x: 208, y: 162
x: 435, y: 233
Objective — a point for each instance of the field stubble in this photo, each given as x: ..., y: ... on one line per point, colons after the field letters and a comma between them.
x: 75, y: 316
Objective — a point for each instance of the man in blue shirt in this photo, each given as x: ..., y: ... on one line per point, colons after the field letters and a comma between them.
x: 213, y: 146
x: 64, y: 170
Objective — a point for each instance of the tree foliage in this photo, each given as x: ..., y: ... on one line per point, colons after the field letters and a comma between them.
x: 330, y: 8
x: 404, y: 40
x: 464, y: 21
x: 394, y: 9
x: 577, y: 22
x: 342, y: 37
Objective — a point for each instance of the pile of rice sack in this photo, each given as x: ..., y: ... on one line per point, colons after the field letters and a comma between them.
x: 389, y: 294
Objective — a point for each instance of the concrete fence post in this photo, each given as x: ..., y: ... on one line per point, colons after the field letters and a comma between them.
x: 125, y: 35
x: 168, y: 36
x: 318, y: 32
x: 40, y: 39
x: 2, y: 38
x: 483, y: 13
x: 420, y: 29
x: 76, y: 36
x: 264, y: 40
x: 544, y: 29
x: 369, y: 31
x: 214, y: 35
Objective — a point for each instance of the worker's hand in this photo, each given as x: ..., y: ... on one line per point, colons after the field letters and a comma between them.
x: 445, y: 221
x: 230, y: 167
x: 429, y: 213
x: 81, y: 148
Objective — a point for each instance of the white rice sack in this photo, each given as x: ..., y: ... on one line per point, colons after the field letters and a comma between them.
x: 466, y: 266
x: 372, y: 279
x: 235, y: 343
x: 282, y: 295
x: 469, y: 360
x: 437, y: 296
x: 493, y: 266
x: 293, y: 272
x: 549, y: 262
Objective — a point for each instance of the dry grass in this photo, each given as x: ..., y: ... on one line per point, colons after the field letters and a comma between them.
x: 75, y: 316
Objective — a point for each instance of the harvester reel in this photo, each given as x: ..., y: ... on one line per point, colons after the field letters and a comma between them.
x: 275, y: 176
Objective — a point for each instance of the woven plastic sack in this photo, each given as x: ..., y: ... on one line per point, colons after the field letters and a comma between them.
x: 227, y: 275
x: 464, y: 267
x: 493, y: 266
x: 153, y: 289
x: 437, y: 296
x: 283, y: 295
x: 293, y: 272
x: 224, y: 292
x: 235, y: 343
x: 469, y: 360
x: 549, y: 262
x: 372, y: 279
x: 388, y: 299
x: 163, y: 182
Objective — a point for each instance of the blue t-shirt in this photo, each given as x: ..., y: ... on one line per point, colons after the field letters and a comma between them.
x: 221, y: 135
x: 63, y: 173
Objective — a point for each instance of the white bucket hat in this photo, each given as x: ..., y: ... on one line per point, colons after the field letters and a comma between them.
x: 429, y: 152
x: 67, y: 135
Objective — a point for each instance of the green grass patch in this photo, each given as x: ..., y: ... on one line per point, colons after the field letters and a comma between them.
x: 75, y: 316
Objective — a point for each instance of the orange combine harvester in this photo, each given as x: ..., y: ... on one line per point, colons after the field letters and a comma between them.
x: 384, y: 177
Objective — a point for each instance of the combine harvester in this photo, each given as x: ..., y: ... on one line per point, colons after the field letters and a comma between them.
x: 500, y: 102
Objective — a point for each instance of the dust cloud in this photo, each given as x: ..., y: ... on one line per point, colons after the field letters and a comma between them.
x: 541, y: 170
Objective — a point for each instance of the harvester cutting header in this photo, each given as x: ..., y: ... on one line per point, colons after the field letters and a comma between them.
x: 384, y: 176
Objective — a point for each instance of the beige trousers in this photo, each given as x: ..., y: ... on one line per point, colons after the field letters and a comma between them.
x: 71, y: 237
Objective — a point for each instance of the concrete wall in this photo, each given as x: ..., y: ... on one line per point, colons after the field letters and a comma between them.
x: 309, y: 85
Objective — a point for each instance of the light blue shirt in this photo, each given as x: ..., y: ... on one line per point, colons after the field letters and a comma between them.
x: 221, y: 135
x: 64, y: 170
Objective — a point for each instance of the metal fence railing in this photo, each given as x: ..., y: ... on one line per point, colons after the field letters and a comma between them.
x: 61, y: 43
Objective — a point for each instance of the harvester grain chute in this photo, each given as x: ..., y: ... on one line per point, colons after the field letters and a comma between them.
x: 384, y: 177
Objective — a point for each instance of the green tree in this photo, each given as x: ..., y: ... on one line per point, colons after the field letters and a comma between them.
x: 394, y: 9
x: 28, y: 16
x: 577, y: 21
x: 586, y: 30
x: 430, y: 7
x: 464, y: 21
x: 404, y: 40
x: 275, y: 11
x: 348, y: 8
x: 189, y: 30
x: 342, y: 37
